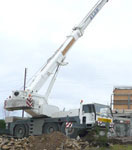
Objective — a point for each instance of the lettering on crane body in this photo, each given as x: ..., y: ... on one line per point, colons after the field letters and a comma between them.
x: 94, y: 13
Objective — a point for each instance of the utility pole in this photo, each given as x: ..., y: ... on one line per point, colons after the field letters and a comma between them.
x: 25, y: 77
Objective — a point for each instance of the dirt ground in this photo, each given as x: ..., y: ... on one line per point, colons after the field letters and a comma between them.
x: 58, y: 141
x: 49, y: 142
x: 53, y: 141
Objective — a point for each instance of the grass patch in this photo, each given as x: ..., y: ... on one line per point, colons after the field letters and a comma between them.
x: 121, y: 147
x: 2, y: 124
x: 114, y: 147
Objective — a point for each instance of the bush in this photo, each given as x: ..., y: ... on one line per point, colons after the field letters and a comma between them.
x: 2, y: 124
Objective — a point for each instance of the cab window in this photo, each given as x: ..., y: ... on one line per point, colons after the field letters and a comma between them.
x: 88, y: 108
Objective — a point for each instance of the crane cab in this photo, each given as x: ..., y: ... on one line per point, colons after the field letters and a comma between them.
x: 95, y: 113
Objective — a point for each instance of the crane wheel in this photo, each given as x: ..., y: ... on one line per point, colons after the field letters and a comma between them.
x: 50, y: 127
x: 72, y: 132
x: 19, y: 131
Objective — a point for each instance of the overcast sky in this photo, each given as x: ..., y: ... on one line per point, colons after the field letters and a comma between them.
x: 32, y: 30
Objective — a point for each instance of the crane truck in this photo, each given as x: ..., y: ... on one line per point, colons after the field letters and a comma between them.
x: 46, y: 118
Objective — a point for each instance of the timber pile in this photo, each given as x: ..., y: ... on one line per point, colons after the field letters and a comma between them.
x: 54, y: 141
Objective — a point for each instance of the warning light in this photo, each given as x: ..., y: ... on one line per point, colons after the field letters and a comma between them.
x: 81, y: 101
x: 29, y: 95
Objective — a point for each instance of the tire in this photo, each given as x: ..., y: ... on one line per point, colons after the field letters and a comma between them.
x: 19, y: 131
x: 27, y: 130
x: 50, y: 128
x: 72, y: 132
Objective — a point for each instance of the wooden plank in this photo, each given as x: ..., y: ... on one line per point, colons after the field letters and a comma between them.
x: 122, y: 91
x: 116, y: 97
x: 121, y: 98
x: 121, y: 107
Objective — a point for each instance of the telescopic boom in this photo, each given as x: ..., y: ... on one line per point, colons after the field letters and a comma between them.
x: 59, y: 56
x: 29, y: 99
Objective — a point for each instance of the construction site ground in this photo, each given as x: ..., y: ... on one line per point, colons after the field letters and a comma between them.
x: 58, y: 141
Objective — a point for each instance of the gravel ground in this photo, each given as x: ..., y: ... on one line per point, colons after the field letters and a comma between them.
x: 58, y: 141
x: 54, y: 141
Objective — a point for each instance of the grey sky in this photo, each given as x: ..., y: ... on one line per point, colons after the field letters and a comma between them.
x: 31, y: 30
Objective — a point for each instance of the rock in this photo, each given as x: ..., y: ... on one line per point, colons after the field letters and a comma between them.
x: 78, y: 138
x: 58, y: 148
x: 5, y: 147
x: 31, y: 145
x: 83, y: 144
x: 53, y: 141
x: 18, y: 146
x: 0, y: 140
x: 86, y: 148
x: 72, y: 144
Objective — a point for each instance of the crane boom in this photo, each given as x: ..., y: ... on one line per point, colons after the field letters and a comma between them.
x: 60, y: 54
x: 34, y: 103
x: 89, y: 17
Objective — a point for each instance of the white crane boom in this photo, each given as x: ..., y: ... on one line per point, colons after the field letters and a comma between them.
x: 36, y: 104
x: 60, y: 54
x: 89, y: 17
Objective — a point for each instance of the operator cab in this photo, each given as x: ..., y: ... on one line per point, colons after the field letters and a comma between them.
x: 93, y: 112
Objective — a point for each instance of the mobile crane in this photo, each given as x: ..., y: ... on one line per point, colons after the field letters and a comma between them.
x: 48, y: 118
